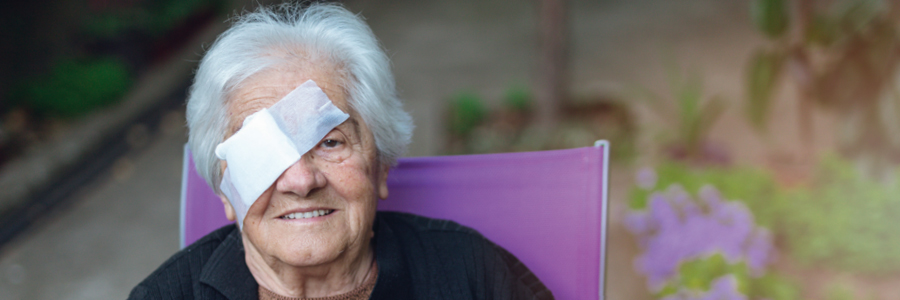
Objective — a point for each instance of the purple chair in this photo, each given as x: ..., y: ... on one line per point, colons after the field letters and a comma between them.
x: 548, y: 208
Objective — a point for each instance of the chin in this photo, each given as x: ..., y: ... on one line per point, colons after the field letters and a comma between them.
x: 310, y: 255
x: 310, y: 247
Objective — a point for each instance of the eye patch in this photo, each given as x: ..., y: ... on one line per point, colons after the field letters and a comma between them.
x: 273, y: 139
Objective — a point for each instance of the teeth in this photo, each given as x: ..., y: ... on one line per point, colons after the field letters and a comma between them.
x: 310, y: 214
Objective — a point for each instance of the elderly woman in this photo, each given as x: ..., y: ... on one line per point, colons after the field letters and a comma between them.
x: 294, y: 121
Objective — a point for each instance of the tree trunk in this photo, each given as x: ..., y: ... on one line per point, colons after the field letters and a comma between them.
x: 550, y: 85
x: 802, y: 12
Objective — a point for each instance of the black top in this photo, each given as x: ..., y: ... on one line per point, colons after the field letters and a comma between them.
x: 418, y: 258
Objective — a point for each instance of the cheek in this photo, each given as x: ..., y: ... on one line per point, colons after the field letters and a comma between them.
x: 351, y: 177
x: 260, y: 229
x: 353, y: 182
x: 257, y: 212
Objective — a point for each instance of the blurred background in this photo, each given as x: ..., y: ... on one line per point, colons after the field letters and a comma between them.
x: 755, y: 143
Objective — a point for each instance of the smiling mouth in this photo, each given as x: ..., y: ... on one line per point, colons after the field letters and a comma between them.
x: 307, y: 215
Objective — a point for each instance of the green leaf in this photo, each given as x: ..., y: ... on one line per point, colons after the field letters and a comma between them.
x: 839, y: 292
x: 466, y: 113
x: 518, y: 98
x: 774, y: 287
x: 709, y: 114
x: 688, y: 93
x: 856, y: 15
x: 763, y: 73
x: 76, y: 87
x: 770, y: 16
x: 823, y: 31
x: 699, y: 274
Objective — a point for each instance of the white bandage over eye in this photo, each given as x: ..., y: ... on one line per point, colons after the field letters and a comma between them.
x: 273, y: 139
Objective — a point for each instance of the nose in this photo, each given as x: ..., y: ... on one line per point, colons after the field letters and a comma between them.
x: 301, y: 178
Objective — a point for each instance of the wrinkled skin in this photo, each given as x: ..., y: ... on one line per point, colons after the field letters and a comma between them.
x: 325, y: 255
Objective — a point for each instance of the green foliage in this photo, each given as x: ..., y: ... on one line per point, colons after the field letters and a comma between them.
x: 108, y: 25
x: 152, y: 17
x: 467, y: 111
x: 518, y: 98
x: 762, y: 76
x: 839, y: 292
x: 167, y: 14
x: 699, y: 274
x: 856, y: 15
x: 696, y: 114
x: 845, y: 220
x: 770, y: 17
x: 846, y: 61
x: 773, y: 287
x: 823, y: 31
x: 75, y: 87
x: 756, y: 188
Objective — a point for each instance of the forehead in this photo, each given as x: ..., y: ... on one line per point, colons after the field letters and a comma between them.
x: 267, y: 87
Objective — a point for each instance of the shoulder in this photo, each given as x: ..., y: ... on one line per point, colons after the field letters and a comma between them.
x: 443, y: 237
x: 176, y: 277
x: 434, y: 246
x: 417, y: 231
x: 425, y: 225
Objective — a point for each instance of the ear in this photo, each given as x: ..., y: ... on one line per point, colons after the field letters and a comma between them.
x: 229, y: 210
x: 382, y: 182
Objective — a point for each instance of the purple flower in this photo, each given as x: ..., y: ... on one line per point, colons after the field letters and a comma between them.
x: 638, y: 223
x: 678, y: 195
x: 759, y: 249
x: 710, y: 194
x: 646, y: 178
x: 663, y: 213
x: 675, y: 229
x: 722, y: 288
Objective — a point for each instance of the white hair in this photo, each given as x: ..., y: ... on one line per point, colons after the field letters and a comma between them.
x: 325, y: 33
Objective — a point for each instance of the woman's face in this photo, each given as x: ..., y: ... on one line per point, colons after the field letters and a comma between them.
x: 340, y: 176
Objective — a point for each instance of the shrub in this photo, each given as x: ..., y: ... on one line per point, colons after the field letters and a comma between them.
x: 703, y: 248
x: 843, y: 219
x: 755, y: 187
x: 518, y: 98
x: 846, y: 220
x: 689, y: 116
x: 467, y: 111
x: 75, y: 87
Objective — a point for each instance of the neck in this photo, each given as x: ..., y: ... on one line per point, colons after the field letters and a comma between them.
x: 340, y: 276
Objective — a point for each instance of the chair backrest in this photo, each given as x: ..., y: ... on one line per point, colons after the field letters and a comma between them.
x: 548, y: 208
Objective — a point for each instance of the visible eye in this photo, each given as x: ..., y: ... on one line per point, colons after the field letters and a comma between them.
x: 335, y: 147
x: 330, y: 143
